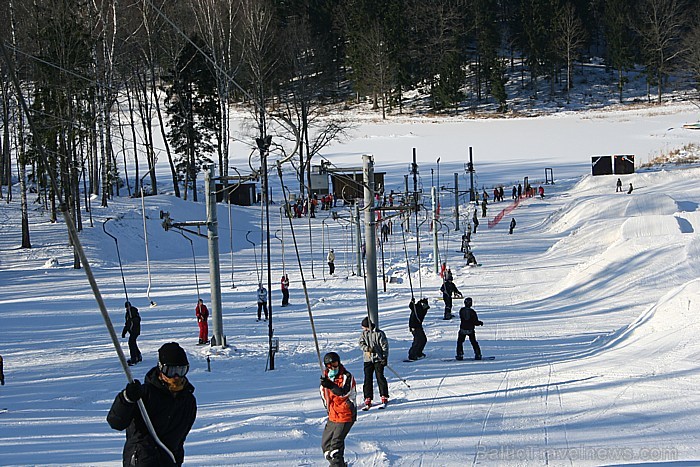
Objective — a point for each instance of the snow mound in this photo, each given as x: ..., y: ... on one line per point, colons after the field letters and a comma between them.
x: 650, y: 226
x: 648, y: 204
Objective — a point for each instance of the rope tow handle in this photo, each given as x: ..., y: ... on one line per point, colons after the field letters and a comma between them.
x: 301, y: 270
x: 75, y: 240
x: 116, y: 243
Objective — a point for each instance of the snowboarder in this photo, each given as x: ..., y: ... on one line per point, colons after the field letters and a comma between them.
x: 285, y: 290
x: 202, y: 314
x: 262, y: 300
x: 618, y: 185
x: 448, y: 275
x: 132, y: 325
x: 483, y: 207
x: 171, y: 406
x: 630, y: 189
x: 415, y: 325
x: 331, y: 261
x: 512, y: 225
x: 471, y: 259
x: 468, y: 320
x: 475, y: 221
x: 449, y: 290
x: 375, y: 348
x: 338, y: 393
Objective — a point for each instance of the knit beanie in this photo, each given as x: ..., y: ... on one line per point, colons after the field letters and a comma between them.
x: 172, y: 354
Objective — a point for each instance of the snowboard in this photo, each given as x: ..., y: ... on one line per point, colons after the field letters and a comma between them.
x: 468, y: 359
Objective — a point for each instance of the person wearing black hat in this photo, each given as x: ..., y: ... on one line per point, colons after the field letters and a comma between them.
x: 375, y: 348
x: 132, y: 325
x: 169, y: 399
x: 338, y: 393
x: 468, y: 320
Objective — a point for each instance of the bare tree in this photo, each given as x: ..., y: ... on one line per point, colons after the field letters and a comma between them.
x: 570, y: 36
x: 661, y: 23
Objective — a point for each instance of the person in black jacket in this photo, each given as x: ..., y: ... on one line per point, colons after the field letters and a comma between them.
x: 512, y: 225
x: 449, y: 290
x: 172, y: 408
x: 468, y: 320
x: 415, y: 325
x: 132, y: 325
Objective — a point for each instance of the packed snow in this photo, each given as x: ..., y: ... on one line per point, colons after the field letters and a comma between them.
x: 590, y: 309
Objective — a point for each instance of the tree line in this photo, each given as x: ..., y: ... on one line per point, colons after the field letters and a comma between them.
x: 101, y: 76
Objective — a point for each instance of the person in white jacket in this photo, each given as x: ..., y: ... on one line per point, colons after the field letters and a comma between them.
x: 331, y: 261
x: 262, y: 300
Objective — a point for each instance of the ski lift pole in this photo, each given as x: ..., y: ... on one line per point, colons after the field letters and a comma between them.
x: 116, y: 242
x: 145, y: 236
x: 255, y: 254
x: 194, y: 261
x: 75, y: 240
x: 301, y: 273
x: 398, y: 376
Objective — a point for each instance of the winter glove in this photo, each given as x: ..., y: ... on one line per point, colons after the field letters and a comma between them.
x: 326, y: 383
x: 133, y: 391
x: 479, y: 323
x: 124, y: 334
x: 384, y: 362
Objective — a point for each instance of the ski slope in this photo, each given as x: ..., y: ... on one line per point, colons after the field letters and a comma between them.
x: 590, y: 308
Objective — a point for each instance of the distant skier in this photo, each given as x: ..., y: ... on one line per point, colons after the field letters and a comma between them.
x: 415, y: 325
x: 484, y: 203
x: 375, y: 348
x: 540, y: 191
x: 512, y: 225
x: 520, y: 190
x: 284, y: 282
x: 338, y: 393
x: 169, y: 400
x: 618, y: 185
x: 630, y: 189
x: 449, y: 290
x: 515, y: 192
x: 132, y: 325
x: 202, y: 314
x: 262, y: 300
x: 468, y: 320
x: 331, y: 261
x: 501, y: 194
x: 475, y: 221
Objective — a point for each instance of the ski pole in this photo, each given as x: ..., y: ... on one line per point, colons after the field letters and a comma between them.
x: 398, y: 376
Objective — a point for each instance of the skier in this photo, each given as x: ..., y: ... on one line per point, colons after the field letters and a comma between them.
x: 471, y: 259
x: 331, y: 261
x: 285, y: 290
x: 415, y: 325
x: 171, y: 406
x: 338, y: 394
x: 202, y: 314
x: 262, y: 300
x: 449, y: 289
x: 618, y: 185
x: 132, y: 325
x: 475, y: 221
x: 375, y: 348
x: 512, y: 225
x: 468, y: 319
x: 630, y: 189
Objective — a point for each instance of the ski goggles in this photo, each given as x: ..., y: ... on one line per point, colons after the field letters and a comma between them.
x: 172, y: 371
x: 333, y: 365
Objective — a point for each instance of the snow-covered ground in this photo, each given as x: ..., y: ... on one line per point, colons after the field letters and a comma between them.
x: 590, y: 308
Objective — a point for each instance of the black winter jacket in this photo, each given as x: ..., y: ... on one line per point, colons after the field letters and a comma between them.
x: 468, y: 319
x: 132, y: 322
x: 172, y: 416
x: 418, y: 312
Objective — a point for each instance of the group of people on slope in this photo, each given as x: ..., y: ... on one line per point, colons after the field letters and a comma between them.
x: 618, y: 187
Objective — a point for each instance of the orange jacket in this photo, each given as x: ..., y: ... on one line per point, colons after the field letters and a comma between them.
x: 340, y: 400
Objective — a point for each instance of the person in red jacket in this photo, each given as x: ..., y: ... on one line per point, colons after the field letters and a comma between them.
x: 202, y: 316
x: 338, y: 393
